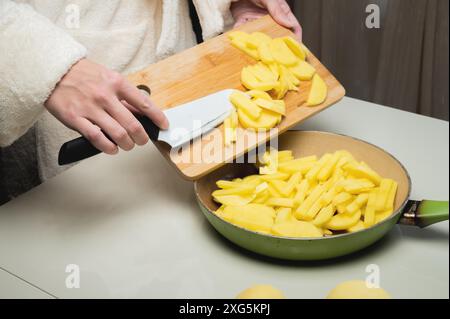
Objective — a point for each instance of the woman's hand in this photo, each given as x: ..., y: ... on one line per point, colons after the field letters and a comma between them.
x: 91, y: 99
x: 248, y: 10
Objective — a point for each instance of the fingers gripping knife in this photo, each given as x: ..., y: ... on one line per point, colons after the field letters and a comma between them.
x: 187, y: 122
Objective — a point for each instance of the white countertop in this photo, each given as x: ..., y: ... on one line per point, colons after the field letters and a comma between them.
x: 12, y: 287
x: 134, y: 228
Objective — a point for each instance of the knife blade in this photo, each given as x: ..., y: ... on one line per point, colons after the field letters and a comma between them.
x: 187, y: 122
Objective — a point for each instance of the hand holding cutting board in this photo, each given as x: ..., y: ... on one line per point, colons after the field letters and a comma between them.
x: 99, y: 103
x: 248, y: 10
x: 215, y: 66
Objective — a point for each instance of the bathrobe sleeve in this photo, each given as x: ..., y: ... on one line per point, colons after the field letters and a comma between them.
x: 215, y: 16
x: 34, y: 56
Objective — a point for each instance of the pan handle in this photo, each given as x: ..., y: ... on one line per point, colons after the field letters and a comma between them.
x: 424, y: 213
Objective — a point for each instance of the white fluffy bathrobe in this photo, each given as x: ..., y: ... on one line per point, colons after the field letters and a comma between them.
x: 41, y: 39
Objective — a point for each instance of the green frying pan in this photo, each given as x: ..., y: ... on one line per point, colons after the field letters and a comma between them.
x: 409, y: 212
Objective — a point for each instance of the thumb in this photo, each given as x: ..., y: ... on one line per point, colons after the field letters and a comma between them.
x: 283, y: 15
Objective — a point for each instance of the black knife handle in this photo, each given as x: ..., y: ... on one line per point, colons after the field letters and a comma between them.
x: 80, y: 148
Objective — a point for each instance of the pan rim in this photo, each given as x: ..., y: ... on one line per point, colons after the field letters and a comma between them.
x: 387, y: 220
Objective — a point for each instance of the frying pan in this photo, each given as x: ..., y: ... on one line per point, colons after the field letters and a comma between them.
x: 409, y: 212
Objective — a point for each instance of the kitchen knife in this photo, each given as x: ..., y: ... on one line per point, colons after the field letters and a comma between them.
x: 186, y: 121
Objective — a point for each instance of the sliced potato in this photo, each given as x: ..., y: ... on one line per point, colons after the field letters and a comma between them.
x: 227, y: 184
x: 357, y: 289
x: 279, y: 185
x: 303, y: 71
x: 358, y: 203
x: 343, y: 221
x: 312, y: 174
x: 257, y: 94
x: 261, y: 292
x: 382, y: 216
x: 275, y: 69
x: 262, y: 73
x: 297, y: 229
x: 278, y: 176
x: 255, y: 217
x: 240, y: 190
x: 302, y: 211
x: 242, y: 36
x: 234, y: 119
x: 265, y: 53
x: 273, y: 192
x: 340, y: 195
x: 250, y: 81
x: 327, y: 170
x: 319, y: 91
x: 314, y: 210
x: 391, y: 196
x: 284, y: 215
x: 265, y: 122
x: 219, y: 211
x: 383, y: 194
x: 229, y: 132
x: 241, y: 45
x: 296, y: 167
x: 282, y: 87
x: 271, y: 106
x: 362, y: 171
x: 290, y: 185
x: 254, y: 209
x: 295, y: 47
x: 302, y: 190
x: 290, y: 77
x: 242, y: 102
x: 358, y: 186
x: 359, y: 226
x: 281, y: 53
x: 370, y: 212
x: 328, y: 197
x: 285, y: 156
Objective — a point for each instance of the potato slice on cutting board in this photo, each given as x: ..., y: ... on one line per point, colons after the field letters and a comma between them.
x: 295, y: 47
x: 266, y: 121
x: 281, y: 53
x: 303, y: 71
x: 242, y: 102
x: 279, y: 108
x: 319, y: 91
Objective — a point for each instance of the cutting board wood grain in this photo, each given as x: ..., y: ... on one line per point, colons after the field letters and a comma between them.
x: 213, y: 66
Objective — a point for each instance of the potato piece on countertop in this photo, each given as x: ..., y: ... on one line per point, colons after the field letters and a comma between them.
x: 357, y: 290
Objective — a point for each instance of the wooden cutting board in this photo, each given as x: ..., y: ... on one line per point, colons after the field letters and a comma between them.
x: 213, y: 66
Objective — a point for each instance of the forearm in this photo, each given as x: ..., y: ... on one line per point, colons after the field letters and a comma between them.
x: 35, y: 55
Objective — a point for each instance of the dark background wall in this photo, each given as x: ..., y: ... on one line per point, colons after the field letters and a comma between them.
x: 403, y: 64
